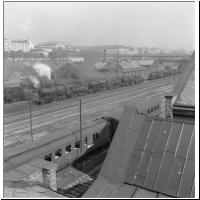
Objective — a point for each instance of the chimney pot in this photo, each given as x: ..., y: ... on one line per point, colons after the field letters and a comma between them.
x: 168, y: 105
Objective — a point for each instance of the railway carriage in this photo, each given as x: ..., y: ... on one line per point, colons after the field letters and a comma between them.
x: 63, y: 147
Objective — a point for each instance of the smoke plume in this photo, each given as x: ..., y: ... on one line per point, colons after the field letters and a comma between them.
x: 42, y: 70
x: 35, y: 81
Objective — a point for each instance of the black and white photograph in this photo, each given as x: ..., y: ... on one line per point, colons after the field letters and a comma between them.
x: 98, y: 99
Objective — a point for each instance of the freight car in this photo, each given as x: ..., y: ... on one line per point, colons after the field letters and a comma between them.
x: 115, y: 83
x: 138, y: 79
x: 161, y: 74
x: 127, y: 81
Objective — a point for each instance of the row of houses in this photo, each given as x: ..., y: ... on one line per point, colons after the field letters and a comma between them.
x: 130, y: 68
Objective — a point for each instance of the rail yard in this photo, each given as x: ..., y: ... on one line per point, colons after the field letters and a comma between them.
x: 48, y: 118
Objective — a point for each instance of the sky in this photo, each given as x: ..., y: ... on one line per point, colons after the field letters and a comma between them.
x: 159, y: 24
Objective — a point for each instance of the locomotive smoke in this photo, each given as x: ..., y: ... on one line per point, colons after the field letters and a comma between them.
x: 35, y: 81
x: 42, y: 70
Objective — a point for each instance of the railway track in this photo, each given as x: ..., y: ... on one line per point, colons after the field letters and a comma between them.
x: 71, y: 112
x: 60, y: 117
x: 42, y: 110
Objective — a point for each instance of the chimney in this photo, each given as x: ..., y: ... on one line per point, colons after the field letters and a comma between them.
x: 168, y: 105
x: 49, y: 176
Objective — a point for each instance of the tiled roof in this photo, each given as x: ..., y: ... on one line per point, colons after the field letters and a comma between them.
x: 148, y: 157
x: 185, y: 87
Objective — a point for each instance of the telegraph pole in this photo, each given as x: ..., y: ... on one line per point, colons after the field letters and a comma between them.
x: 174, y: 77
x: 80, y: 106
x: 30, y: 102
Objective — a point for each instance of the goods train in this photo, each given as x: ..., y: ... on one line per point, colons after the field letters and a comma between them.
x: 164, y: 73
x: 63, y: 147
x: 51, y: 90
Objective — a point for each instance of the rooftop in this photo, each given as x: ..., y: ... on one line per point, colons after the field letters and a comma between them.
x: 146, y: 62
x: 50, y: 43
x: 21, y: 41
x: 185, y: 87
x: 157, y: 159
x: 100, y: 65
x: 133, y: 65
x: 27, y: 181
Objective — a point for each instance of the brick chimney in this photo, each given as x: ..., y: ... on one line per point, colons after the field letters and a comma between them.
x: 49, y: 176
x: 48, y: 172
x: 169, y: 104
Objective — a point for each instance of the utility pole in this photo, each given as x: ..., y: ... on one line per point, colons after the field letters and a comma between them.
x: 81, y: 139
x: 174, y: 78
x: 30, y: 102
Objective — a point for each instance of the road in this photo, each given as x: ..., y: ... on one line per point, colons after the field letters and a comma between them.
x: 48, y: 118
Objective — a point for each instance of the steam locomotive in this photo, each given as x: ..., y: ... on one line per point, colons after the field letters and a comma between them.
x: 51, y: 90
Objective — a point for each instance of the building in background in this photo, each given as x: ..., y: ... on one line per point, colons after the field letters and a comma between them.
x: 51, y: 45
x: 18, y: 45
x: 75, y: 59
x: 123, y: 51
x: 7, y: 45
x: 122, y: 67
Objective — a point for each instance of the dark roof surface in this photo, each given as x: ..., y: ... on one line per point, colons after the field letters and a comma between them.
x: 163, y: 158
x: 148, y: 157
